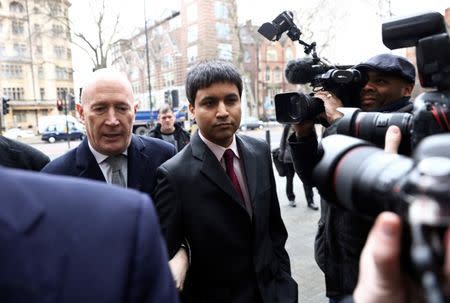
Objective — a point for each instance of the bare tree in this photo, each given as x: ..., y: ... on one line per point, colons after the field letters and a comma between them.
x: 96, y: 41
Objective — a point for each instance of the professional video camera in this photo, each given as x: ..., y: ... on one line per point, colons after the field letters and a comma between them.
x: 367, y: 181
x: 341, y: 80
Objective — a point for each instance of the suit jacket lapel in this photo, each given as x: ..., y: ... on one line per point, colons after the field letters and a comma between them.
x: 212, y: 169
x: 136, y: 163
x: 86, y: 164
x: 250, y: 159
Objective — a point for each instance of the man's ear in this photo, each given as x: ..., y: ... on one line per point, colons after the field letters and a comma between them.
x: 407, y: 90
x: 192, y: 110
x: 80, y: 112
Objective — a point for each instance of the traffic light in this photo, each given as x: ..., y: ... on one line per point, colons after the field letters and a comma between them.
x: 60, y: 105
x: 5, y: 105
x: 175, y: 98
x: 167, y: 96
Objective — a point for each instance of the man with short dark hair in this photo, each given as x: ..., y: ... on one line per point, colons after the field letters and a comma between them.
x: 341, y: 235
x: 169, y: 130
x: 218, y: 194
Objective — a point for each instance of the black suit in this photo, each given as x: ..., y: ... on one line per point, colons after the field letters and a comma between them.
x: 144, y: 157
x: 68, y: 240
x: 233, y: 257
x: 16, y: 154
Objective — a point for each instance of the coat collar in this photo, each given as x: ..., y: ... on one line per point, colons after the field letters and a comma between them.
x: 212, y: 169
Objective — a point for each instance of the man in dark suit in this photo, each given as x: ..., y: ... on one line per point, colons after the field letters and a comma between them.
x: 218, y: 195
x: 68, y: 240
x: 111, y: 153
x: 16, y: 154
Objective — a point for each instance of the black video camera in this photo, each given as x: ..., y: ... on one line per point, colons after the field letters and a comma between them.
x: 343, y: 81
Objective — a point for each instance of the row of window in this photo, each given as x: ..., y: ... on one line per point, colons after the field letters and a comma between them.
x: 17, y: 93
x: 224, y: 52
x: 221, y: 11
x: 15, y: 71
x: 54, y: 8
x: 223, y: 32
x: 18, y: 28
x: 21, y: 50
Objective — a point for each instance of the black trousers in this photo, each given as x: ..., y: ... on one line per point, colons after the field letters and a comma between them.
x: 290, y: 173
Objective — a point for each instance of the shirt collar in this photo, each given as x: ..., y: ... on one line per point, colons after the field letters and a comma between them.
x: 99, y: 157
x: 218, y: 150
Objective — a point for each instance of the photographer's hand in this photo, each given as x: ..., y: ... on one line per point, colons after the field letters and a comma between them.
x: 380, y: 279
x: 392, y: 139
x: 303, y: 129
x: 331, y: 104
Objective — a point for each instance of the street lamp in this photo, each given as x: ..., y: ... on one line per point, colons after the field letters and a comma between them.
x: 148, y: 66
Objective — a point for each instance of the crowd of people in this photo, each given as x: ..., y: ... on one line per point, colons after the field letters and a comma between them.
x: 173, y: 216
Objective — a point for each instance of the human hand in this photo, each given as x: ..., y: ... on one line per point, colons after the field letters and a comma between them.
x: 392, y: 139
x: 380, y: 278
x: 303, y: 129
x: 331, y: 104
x: 179, y: 265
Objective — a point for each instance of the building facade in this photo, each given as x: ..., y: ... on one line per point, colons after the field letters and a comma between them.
x: 203, y: 29
x: 35, y: 59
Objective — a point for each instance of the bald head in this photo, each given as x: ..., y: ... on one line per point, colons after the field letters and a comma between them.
x: 106, y: 77
x: 107, y: 110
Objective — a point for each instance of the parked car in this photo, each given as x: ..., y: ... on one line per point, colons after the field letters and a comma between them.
x: 56, y: 132
x: 17, y: 133
x: 251, y: 123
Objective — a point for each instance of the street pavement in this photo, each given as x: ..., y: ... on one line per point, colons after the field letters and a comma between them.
x: 300, y: 221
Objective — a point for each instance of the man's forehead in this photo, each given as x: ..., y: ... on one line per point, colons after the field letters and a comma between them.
x: 379, y: 74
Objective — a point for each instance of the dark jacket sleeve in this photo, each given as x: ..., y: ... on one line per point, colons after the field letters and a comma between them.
x: 151, y: 277
x: 304, y: 156
x: 168, y: 208
x: 16, y: 154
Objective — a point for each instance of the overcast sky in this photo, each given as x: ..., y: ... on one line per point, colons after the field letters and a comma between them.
x: 358, y: 33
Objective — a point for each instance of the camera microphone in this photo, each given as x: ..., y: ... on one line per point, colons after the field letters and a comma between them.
x: 302, y: 71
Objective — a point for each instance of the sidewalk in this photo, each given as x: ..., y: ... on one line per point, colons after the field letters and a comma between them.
x: 301, y: 224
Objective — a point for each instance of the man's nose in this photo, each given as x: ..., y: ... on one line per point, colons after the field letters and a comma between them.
x: 368, y: 87
x: 222, y: 110
x: 111, y: 118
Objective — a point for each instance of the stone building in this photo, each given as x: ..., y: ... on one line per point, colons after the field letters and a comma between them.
x: 35, y: 59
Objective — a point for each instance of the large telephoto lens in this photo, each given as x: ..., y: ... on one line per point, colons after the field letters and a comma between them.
x: 359, y: 177
x: 372, y: 127
x: 296, y: 107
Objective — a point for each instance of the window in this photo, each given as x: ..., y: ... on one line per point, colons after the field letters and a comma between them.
x: 192, y: 12
x: 69, y: 53
x: 1, y: 26
x: 37, y: 28
x: 57, y: 30
x: 277, y: 75
x: 220, y: 10
x: 59, y: 51
x: 2, y: 50
x: 223, y: 31
x: 225, y: 51
x: 288, y: 54
x: 16, y: 7
x: 17, y: 27
x: 61, y: 93
x: 61, y: 73
x: 20, y: 49
x: 41, y: 72
x: 167, y: 61
x: 271, y: 54
x: 247, y: 57
x: 20, y: 116
x: 36, y: 10
x: 192, y: 53
x: 39, y: 50
x: 14, y: 93
x: 192, y: 33
x: 169, y: 79
x: 267, y: 73
x: 12, y: 71
x: 42, y: 93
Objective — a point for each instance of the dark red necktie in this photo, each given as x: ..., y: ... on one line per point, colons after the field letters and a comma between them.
x: 229, y: 155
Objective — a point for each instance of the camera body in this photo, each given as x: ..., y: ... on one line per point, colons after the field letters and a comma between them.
x: 296, y: 107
